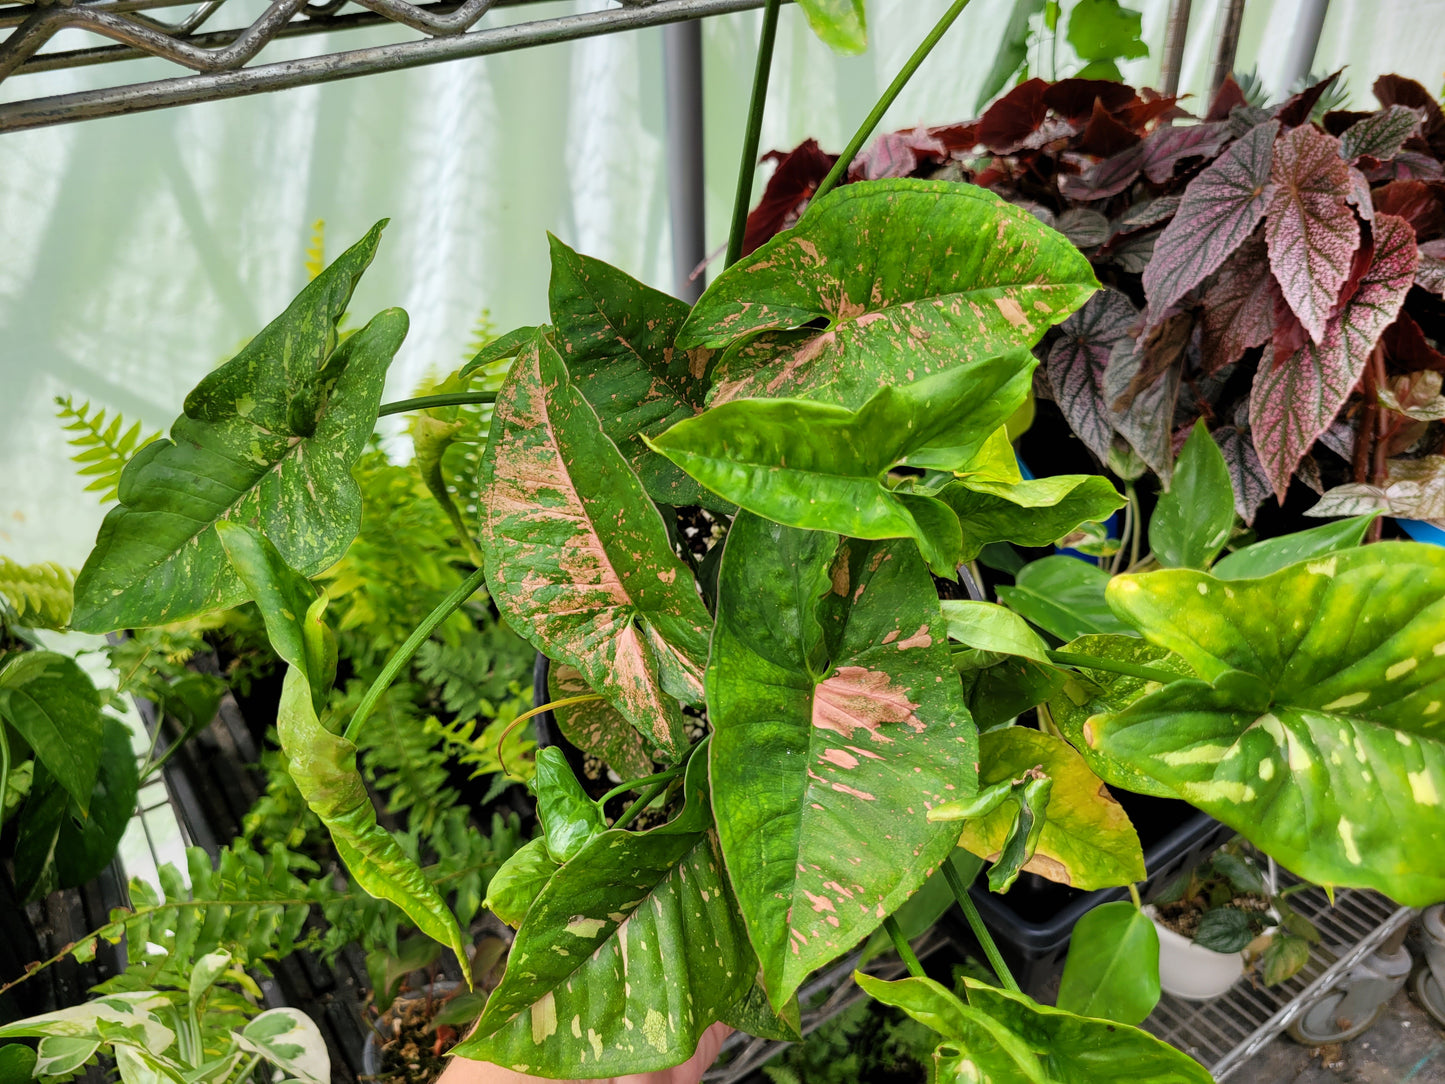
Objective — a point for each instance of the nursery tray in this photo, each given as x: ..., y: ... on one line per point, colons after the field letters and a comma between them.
x: 1226, y: 1032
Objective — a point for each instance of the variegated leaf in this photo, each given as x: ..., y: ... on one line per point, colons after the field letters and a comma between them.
x: 597, y: 727
x: 1380, y: 135
x: 1238, y: 307
x: 1412, y: 489
x: 1077, y: 362
x: 1291, y: 405
x: 977, y: 278
x: 578, y: 558
x: 838, y: 723
x: 1148, y: 422
x: 1221, y: 207
x: 1311, y: 232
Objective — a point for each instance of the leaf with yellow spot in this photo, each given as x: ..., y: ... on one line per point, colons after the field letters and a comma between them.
x: 1318, y: 731
x: 838, y: 721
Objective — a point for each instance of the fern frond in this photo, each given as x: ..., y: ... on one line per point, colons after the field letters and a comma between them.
x: 481, y: 747
x: 316, y: 252
x: 105, y: 446
x: 479, y: 670
x: 36, y: 596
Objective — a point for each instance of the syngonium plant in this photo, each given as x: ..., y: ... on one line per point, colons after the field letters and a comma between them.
x: 838, y: 402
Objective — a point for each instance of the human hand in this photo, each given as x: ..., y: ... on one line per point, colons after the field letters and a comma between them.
x: 466, y: 1071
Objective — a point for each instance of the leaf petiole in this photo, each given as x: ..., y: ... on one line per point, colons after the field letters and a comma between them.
x: 903, y: 948
x: 1114, y: 666
x: 637, y: 784
x: 743, y: 198
x: 565, y: 702
x: 426, y: 402
x: 980, y: 931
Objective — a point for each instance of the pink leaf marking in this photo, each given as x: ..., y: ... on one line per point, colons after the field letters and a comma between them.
x: 921, y: 638
x: 856, y: 698
x: 1077, y: 362
x: 1291, y: 406
x: 1238, y: 312
x: 1311, y: 231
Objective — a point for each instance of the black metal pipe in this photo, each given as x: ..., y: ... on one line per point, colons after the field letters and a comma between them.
x: 682, y: 68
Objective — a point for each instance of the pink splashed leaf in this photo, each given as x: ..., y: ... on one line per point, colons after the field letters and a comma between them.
x: 1311, y: 231
x: 1237, y: 307
x: 1221, y: 207
x: 1292, y: 405
x: 1077, y: 361
x: 1381, y: 135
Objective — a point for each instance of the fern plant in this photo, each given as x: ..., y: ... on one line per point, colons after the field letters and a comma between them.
x: 105, y: 446
x: 473, y: 675
x: 35, y: 596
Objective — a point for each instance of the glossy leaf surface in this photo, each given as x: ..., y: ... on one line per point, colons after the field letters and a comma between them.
x: 53, y: 705
x: 1064, y: 596
x: 1273, y: 554
x: 268, y: 439
x: 1321, y: 737
x: 977, y: 278
x: 1192, y: 522
x: 1035, y: 512
x: 569, y: 818
x: 85, y: 846
x: 630, y: 952
x: 291, y: 1041
x: 840, y: 24
x: 988, y: 627
x: 838, y: 722
x: 521, y: 878
x: 578, y: 558
x: 1087, y: 841
x: 1112, y: 970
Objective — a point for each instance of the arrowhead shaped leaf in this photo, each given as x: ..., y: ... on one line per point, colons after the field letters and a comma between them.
x: 53, y: 705
x: 578, y: 558
x: 1077, y: 362
x: 268, y: 439
x: 838, y: 722
x: 629, y: 953
x: 840, y: 24
x: 568, y: 817
x: 1221, y: 207
x: 597, y: 727
x: 977, y: 278
x: 1292, y: 404
x: 1311, y: 232
x: 1380, y: 135
x: 989, y: 627
x: 1112, y: 970
x: 1273, y: 554
x: 1322, y: 736
x: 824, y: 467
x: 1087, y: 841
x: 520, y: 879
x: 616, y: 335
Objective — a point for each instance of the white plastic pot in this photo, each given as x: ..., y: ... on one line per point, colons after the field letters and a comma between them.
x: 1190, y: 971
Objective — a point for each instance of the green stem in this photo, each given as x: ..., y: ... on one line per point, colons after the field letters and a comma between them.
x: 426, y: 402
x: 1133, y: 497
x: 637, y: 784
x: 840, y: 167
x: 743, y: 198
x: 630, y: 814
x: 1134, y: 895
x: 980, y: 931
x: 248, y: 1068
x: 903, y: 948
x: 402, y: 655
x: 1114, y: 666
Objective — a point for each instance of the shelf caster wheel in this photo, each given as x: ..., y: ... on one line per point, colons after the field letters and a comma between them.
x: 1429, y: 994
x: 1352, y: 1005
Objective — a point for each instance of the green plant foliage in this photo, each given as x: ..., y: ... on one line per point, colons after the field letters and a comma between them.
x: 840, y: 24
x: 569, y: 818
x: 866, y: 1041
x: 517, y: 884
x: 478, y: 672
x: 894, y: 314
x: 1112, y: 970
x: 984, y: 626
x: 1063, y: 596
x: 1191, y: 523
x: 1273, y: 554
x: 52, y: 704
x: 104, y: 449
x: 292, y: 412
x: 838, y: 751
x: 494, y: 747
x: 1012, y: 54
x: 35, y: 596
x: 402, y: 759
x: 1037, y: 512
x: 1103, y: 32
x: 1313, y: 731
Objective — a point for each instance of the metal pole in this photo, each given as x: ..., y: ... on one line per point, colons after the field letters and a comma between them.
x: 682, y: 69
x: 1308, y: 24
x: 1228, y: 46
x: 1176, y: 30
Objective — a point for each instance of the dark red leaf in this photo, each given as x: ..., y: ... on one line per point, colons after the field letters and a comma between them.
x: 1238, y: 314
x: 1336, y: 121
x: 1407, y: 347
x: 1014, y: 117
x: 1165, y: 149
x: 1397, y: 90
x: 1290, y: 407
x: 799, y: 173
x: 1103, y: 179
x: 1416, y: 202
x: 1148, y: 424
x: 1077, y: 362
x: 1220, y: 208
x: 1148, y: 107
x: 1364, y: 256
x: 1408, y: 165
x: 1288, y: 335
x: 956, y: 138
x: 1075, y: 99
x: 1251, y: 484
x: 1226, y: 99
x: 897, y: 154
x: 1298, y: 109
x: 1311, y: 231
x: 1163, y: 345
x: 1431, y: 273
x: 1105, y: 136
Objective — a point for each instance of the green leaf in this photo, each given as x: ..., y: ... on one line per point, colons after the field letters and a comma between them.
x: 1273, y: 554
x: 461, y: 1011
x: 1320, y: 738
x: 1026, y: 825
x: 1036, y: 512
x: 36, y: 596
x: 17, y: 1064
x: 387, y: 970
x: 930, y: 903
x: 1224, y: 929
x: 753, y: 1015
x: 501, y: 348
x: 616, y: 335
x: 977, y: 278
x: 823, y: 467
x: 1242, y: 875
x: 927, y: 1001
x: 123, y: 1011
x: 578, y: 559
x: 630, y: 953
x: 569, y: 818
x: 989, y: 627
x: 323, y: 766
x: 291, y: 1041
x: 515, y: 886
x: 1004, y: 690
x: 1192, y: 521
x: 1063, y: 596
x: 53, y: 705
x: 60, y: 1055
x: 1102, y: 30
x: 1095, y: 692
x: 86, y: 844
x: 839, y: 24
x: 837, y: 723
x: 1087, y: 841
x: 1112, y: 970
x: 597, y: 727
x: 268, y: 440
x: 1012, y: 52
x: 1284, y: 958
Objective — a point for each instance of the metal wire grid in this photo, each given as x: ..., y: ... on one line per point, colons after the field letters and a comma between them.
x: 1224, y: 1033
x: 449, y: 30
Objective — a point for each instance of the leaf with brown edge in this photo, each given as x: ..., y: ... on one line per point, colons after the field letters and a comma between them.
x: 597, y: 727
x: 1238, y: 313
x: 1298, y: 109
x: 978, y: 278
x: 1220, y: 209
x: 1007, y: 123
x: 1290, y: 406
x: 578, y: 558
x: 1397, y: 90
x: 838, y: 721
x: 1380, y: 135
x: 1087, y: 841
x: 1311, y: 232
x: 1077, y: 362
